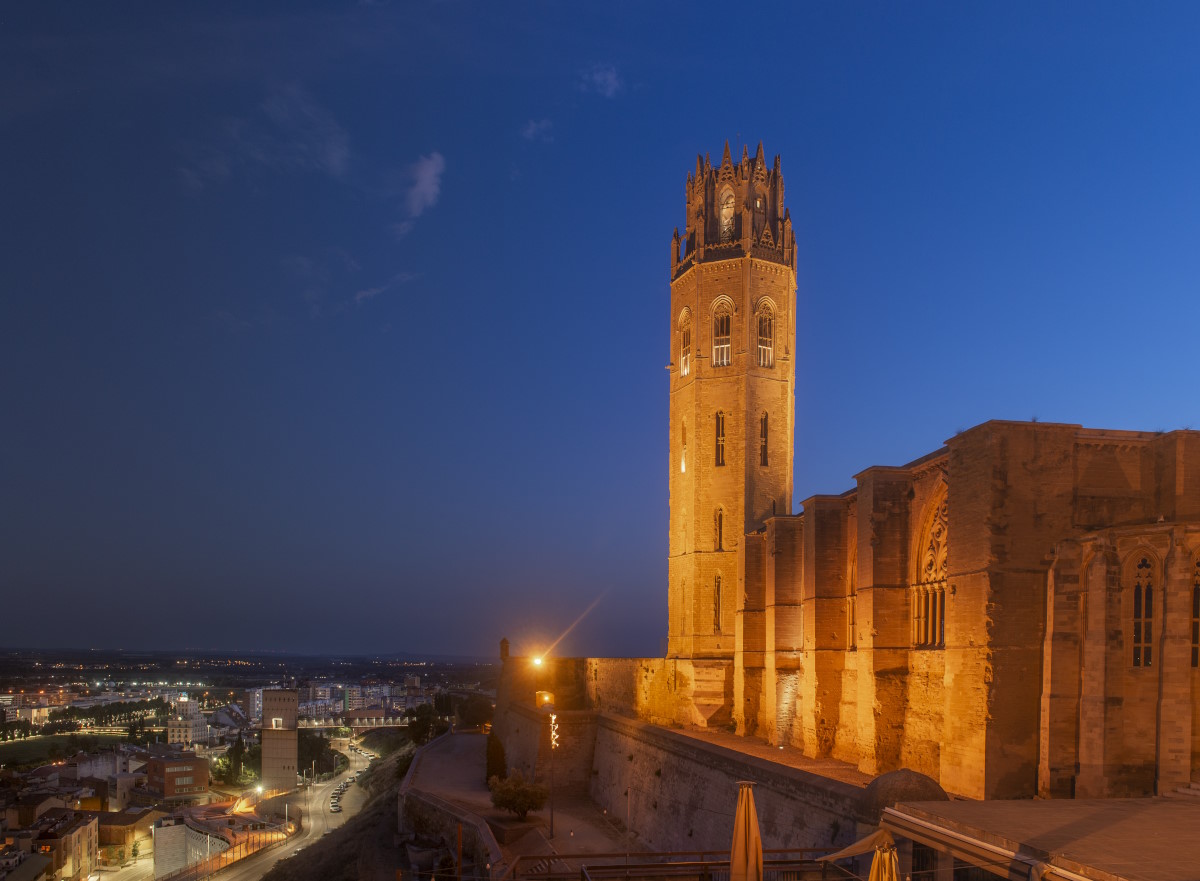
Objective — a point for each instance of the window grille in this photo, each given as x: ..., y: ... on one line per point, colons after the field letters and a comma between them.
x: 720, y: 445
x: 766, y: 339
x: 1143, y: 614
x: 721, y: 348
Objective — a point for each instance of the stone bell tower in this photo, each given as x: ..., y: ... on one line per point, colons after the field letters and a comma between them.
x: 732, y: 413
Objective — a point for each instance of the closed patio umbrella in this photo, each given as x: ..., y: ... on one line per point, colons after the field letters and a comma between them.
x: 745, y: 857
x: 885, y: 865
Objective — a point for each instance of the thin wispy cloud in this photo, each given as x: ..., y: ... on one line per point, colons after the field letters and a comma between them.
x: 396, y: 280
x: 538, y: 130
x: 602, y: 79
x: 291, y: 132
x: 424, y: 188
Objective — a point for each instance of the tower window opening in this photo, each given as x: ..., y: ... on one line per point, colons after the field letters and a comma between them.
x: 719, y: 458
x: 1143, y: 614
x: 766, y: 339
x: 721, y: 349
x: 762, y: 440
x: 685, y: 348
x: 719, y: 530
x: 683, y: 448
x: 717, y: 603
x: 727, y: 217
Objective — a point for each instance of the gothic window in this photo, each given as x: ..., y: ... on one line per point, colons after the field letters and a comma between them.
x: 719, y: 530
x: 685, y: 346
x: 766, y: 338
x: 1143, y: 613
x: 929, y: 592
x: 717, y: 603
x: 727, y: 217
x: 683, y: 448
x: 762, y: 440
x: 719, y: 458
x: 721, y: 348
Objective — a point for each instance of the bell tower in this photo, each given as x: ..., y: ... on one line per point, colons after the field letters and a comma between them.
x: 732, y: 401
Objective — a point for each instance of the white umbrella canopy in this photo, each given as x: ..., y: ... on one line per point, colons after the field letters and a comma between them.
x: 745, y: 856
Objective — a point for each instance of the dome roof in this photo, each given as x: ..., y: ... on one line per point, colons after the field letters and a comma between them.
x: 889, y: 789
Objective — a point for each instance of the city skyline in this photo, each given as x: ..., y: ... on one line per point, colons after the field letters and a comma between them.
x: 355, y: 319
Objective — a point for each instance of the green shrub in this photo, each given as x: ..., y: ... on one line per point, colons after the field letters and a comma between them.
x: 517, y: 795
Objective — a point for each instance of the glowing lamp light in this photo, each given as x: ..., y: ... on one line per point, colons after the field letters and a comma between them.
x: 260, y: 790
x: 537, y: 662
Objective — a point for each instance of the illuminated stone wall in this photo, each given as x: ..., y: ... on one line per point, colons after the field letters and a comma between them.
x: 736, y: 258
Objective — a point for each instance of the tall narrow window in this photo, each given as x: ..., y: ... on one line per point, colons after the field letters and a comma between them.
x: 1143, y: 614
x: 716, y: 603
x: 766, y: 338
x: 721, y: 348
x: 852, y: 617
x: 1196, y: 619
x: 719, y: 530
x: 719, y: 458
x: 683, y: 448
x: 685, y: 347
x: 727, y: 217
x: 762, y: 440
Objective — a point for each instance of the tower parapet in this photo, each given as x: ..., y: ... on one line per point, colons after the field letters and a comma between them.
x: 734, y: 210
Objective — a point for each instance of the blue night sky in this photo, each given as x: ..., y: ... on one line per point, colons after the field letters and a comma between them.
x: 342, y: 327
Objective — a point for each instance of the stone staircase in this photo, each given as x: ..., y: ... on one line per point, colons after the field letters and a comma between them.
x: 1191, y: 791
x: 710, y: 702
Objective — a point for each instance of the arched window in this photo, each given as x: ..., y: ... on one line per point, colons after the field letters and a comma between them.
x: 762, y: 440
x: 726, y: 217
x: 766, y: 337
x: 717, y: 603
x: 852, y: 603
x: 1143, y: 613
x: 721, y: 350
x: 929, y: 592
x: 719, y: 530
x: 719, y: 452
x: 685, y: 345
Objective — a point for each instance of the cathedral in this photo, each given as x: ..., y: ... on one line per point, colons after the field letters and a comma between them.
x: 1016, y: 613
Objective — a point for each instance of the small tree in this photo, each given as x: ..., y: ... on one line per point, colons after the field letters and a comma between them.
x: 137, y: 847
x: 517, y: 795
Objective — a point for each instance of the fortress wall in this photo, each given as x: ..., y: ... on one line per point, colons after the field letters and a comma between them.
x: 527, y: 745
x: 658, y: 690
x: 682, y: 792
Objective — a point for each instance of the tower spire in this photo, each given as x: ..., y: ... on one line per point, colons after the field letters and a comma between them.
x: 725, y: 160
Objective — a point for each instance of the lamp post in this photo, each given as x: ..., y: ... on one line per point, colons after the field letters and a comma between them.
x: 545, y: 702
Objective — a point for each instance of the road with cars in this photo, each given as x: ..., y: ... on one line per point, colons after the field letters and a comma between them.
x: 323, y: 814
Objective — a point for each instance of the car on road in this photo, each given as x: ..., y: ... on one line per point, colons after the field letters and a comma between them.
x: 336, y: 809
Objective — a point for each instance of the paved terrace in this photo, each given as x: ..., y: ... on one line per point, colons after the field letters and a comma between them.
x: 453, y: 768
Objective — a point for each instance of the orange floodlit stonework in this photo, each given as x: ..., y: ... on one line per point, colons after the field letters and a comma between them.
x: 1016, y: 613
